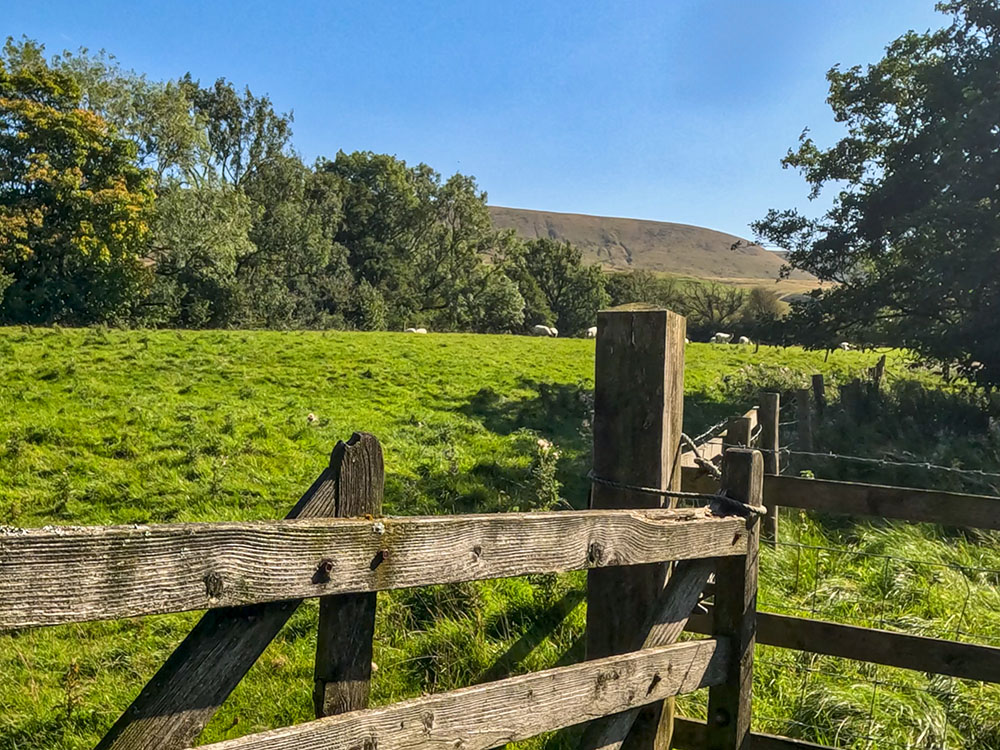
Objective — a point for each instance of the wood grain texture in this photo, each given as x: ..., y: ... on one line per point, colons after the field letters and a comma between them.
x: 690, y: 734
x: 638, y: 416
x: 729, y: 704
x: 50, y: 576
x: 770, y: 443
x: 881, y: 501
x: 679, y: 598
x: 738, y: 432
x: 343, y: 669
x: 490, y: 715
x: 968, y: 661
x: 176, y: 705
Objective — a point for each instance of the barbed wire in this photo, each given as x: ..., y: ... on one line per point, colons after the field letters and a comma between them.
x: 710, y: 432
x: 884, y: 462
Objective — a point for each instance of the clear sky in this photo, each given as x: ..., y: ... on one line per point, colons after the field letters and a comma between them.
x: 677, y: 110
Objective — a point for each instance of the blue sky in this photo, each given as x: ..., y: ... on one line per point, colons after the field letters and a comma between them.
x: 676, y: 110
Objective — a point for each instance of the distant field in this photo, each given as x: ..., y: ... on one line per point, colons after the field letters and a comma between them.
x: 680, y: 249
x: 141, y: 427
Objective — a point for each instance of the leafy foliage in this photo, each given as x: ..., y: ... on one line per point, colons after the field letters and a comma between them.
x: 913, y: 237
x: 73, y: 205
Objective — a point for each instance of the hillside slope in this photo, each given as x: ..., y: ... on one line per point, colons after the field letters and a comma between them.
x: 619, y: 243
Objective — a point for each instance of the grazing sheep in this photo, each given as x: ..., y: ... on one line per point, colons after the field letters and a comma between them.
x: 592, y: 332
x: 421, y: 330
x: 410, y: 330
x: 722, y: 338
x: 745, y: 341
x: 541, y: 331
x: 687, y: 340
x: 553, y: 331
x: 843, y: 345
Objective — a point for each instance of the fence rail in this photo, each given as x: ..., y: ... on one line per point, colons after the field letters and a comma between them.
x: 489, y: 715
x: 59, y: 575
x: 929, y: 655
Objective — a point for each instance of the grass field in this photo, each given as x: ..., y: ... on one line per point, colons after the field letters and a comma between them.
x: 141, y: 427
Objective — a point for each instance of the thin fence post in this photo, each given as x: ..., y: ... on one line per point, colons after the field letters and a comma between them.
x: 735, y: 610
x: 638, y: 413
x: 343, y: 667
x: 804, y: 416
x: 877, y: 373
x: 738, y: 432
x: 819, y: 393
x: 178, y: 702
x: 770, y: 445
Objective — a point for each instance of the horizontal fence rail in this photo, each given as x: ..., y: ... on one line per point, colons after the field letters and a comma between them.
x: 969, y: 661
x: 493, y: 714
x: 873, y: 500
x: 900, y: 503
x: 690, y: 734
x: 74, y: 574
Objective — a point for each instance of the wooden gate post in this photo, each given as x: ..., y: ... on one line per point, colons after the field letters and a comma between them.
x: 174, y: 707
x: 738, y: 432
x: 638, y: 413
x: 770, y: 445
x: 347, y: 622
x: 735, y: 611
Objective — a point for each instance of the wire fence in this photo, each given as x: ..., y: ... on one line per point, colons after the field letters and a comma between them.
x: 858, y: 705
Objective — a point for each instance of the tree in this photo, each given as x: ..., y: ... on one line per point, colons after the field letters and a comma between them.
x: 913, y: 237
x: 564, y: 291
x: 644, y: 286
x: 713, y: 305
x: 73, y: 203
x: 419, y: 242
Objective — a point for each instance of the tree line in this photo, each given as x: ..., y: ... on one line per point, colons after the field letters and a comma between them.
x: 126, y: 201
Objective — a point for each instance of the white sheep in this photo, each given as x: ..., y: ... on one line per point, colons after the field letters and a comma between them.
x: 722, y: 338
x: 410, y: 330
x: 592, y: 332
x: 540, y: 330
x: 845, y: 346
x: 421, y: 330
x: 745, y: 341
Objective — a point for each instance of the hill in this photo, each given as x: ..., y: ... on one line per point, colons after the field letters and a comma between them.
x: 660, y: 246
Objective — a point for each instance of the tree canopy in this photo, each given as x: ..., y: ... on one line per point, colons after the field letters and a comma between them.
x: 912, y: 240
x: 74, y: 204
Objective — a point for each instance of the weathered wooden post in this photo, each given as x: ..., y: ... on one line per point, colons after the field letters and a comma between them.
x: 770, y: 445
x: 638, y: 412
x: 738, y: 432
x: 175, y: 706
x: 819, y: 393
x: 347, y: 622
x: 803, y: 407
x: 734, y: 614
x: 877, y: 374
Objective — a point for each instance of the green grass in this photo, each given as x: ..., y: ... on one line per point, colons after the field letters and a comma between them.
x: 104, y: 427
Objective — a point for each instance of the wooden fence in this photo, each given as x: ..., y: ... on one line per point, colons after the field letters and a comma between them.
x: 924, y: 654
x: 334, y: 545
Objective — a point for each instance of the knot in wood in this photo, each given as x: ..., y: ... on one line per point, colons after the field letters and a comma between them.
x: 213, y: 585
x: 595, y: 554
x: 323, y: 571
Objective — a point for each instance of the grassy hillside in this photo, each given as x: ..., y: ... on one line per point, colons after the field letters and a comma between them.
x: 678, y: 249
x: 141, y: 427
